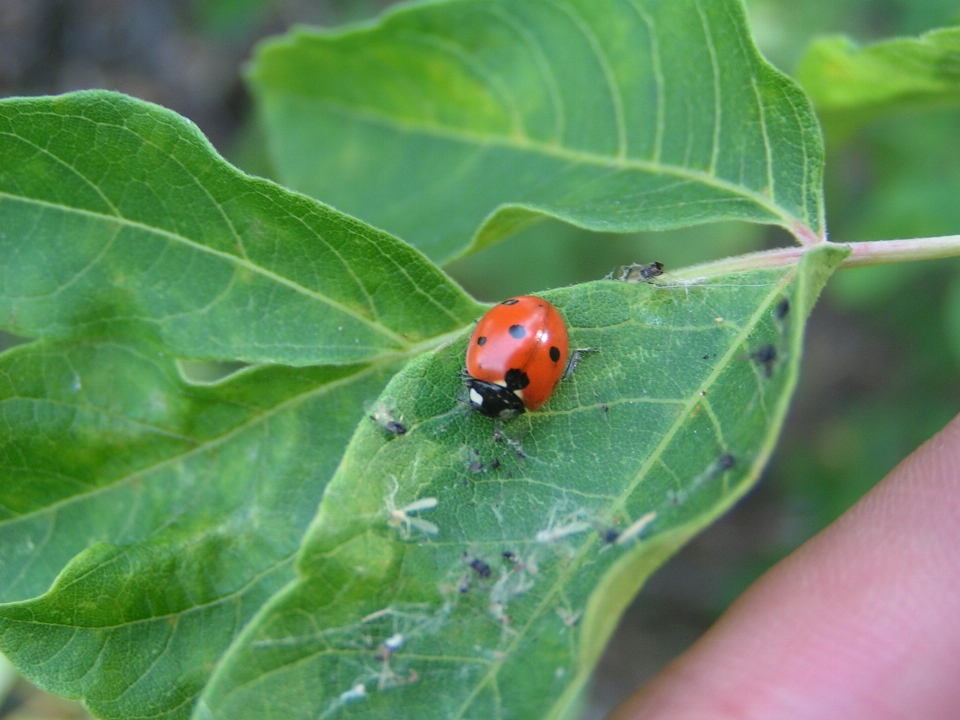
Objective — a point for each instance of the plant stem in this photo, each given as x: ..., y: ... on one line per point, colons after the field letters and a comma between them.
x: 877, y: 252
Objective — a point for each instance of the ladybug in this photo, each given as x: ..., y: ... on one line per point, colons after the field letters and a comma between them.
x: 517, y: 355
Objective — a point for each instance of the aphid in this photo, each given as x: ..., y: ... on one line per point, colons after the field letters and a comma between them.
x: 386, y: 418
x: 510, y: 585
x: 499, y: 612
x: 568, y: 617
x: 641, y: 273
x: 472, y: 460
x: 637, y: 527
x: 518, y: 353
x: 782, y: 309
x: 515, y: 444
x: 553, y: 534
x: 400, y: 519
x: 509, y: 556
x: 357, y: 692
x: 480, y: 567
x: 390, y: 646
x: 607, y: 533
x: 765, y: 356
x: 725, y: 462
x: 575, y: 359
x: 377, y: 614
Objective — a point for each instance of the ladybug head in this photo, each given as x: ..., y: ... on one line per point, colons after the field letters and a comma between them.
x: 495, y: 401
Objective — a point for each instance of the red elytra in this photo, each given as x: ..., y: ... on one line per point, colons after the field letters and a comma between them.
x: 517, y: 354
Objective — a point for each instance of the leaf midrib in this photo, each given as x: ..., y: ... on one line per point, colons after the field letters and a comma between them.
x: 239, y: 261
x: 140, y: 621
x: 558, y: 152
x: 205, y: 445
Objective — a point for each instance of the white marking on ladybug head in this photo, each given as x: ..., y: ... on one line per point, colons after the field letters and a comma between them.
x: 476, y: 399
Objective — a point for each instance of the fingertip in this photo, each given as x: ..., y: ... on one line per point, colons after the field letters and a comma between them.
x: 863, y: 621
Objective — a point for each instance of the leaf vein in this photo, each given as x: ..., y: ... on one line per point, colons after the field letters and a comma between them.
x: 740, y: 192
x: 717, y: 106
x: 610, y: 77
x: 257, y: 269
x: 502, y: 13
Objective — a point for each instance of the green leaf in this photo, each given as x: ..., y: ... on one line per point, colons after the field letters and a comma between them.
x: 163, y: 513
x: 480, y: 556
x: 855, y: 84
x: 454, y: 123
x: 117, y: 218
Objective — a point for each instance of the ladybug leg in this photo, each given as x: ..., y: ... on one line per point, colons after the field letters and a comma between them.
x: 575, y: 358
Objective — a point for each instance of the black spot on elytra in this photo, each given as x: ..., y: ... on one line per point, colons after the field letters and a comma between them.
x: 481, y: 340
x: 517, y: 331
x: 516, y: 379
x: 555, y: 353
x: 511, y: 301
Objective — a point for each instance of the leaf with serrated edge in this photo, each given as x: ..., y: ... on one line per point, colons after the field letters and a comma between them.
x: 181, y: 506
x: 454, y: 123
x: 118, y: 218
x: 854, y: 84
x: 504, y: 610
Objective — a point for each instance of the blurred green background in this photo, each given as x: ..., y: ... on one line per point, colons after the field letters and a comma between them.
x: 882, y: 366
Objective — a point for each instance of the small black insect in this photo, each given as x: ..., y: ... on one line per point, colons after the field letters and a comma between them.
x: 478, y: 566
x: 641, y: 273
x: 782, y: 309
x: 725, y: 462
x: 384, y: 419
x: 494, y: 464
x: 509, y: 556
x: 766, y: 357
x: 515, y: 444
x: 608, y: 534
